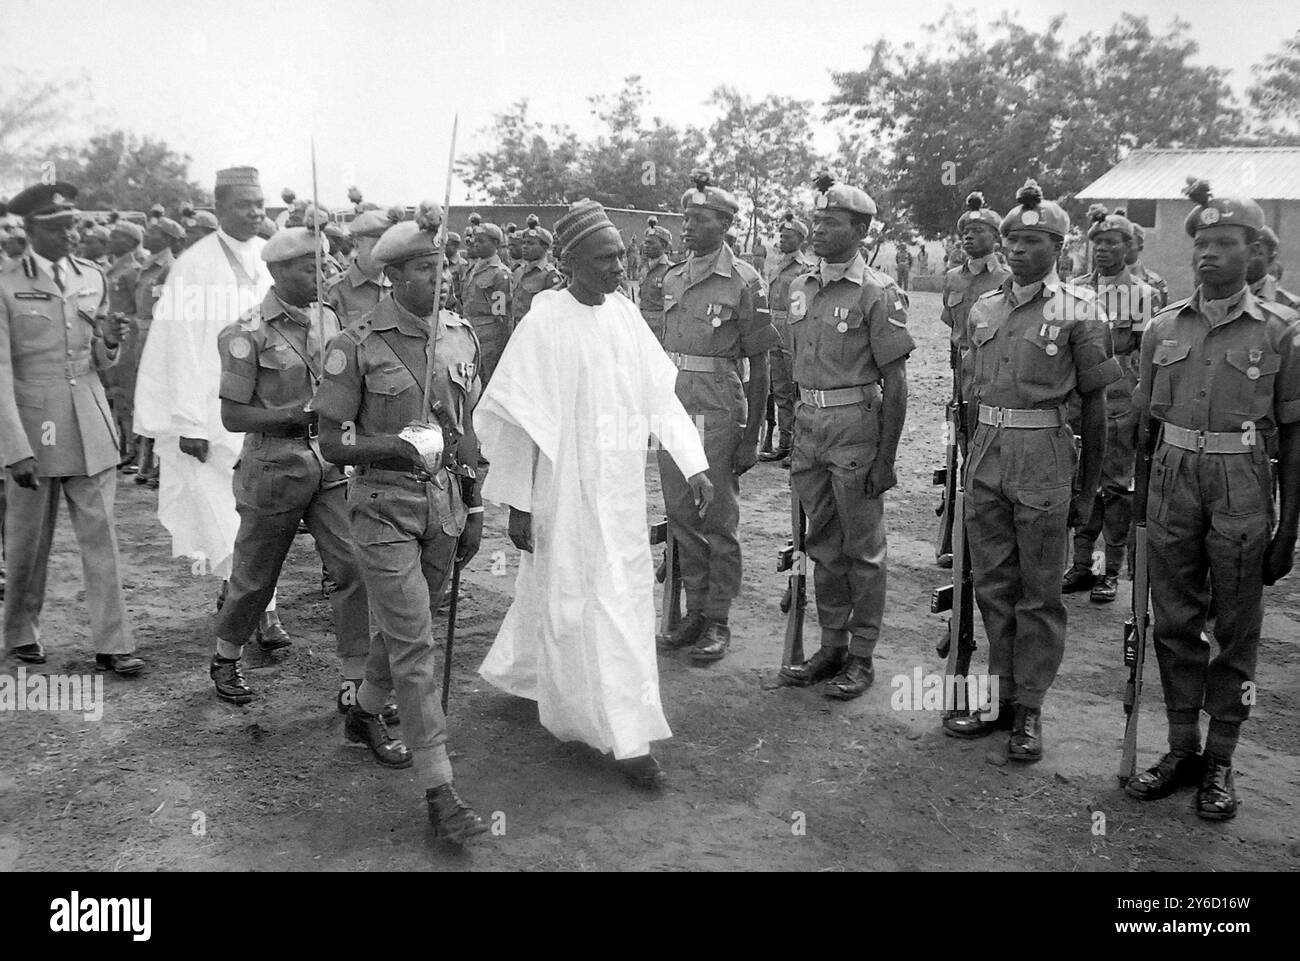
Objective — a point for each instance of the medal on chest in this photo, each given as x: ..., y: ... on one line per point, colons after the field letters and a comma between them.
x: 1256, y: 355
x: 714, y: 312
x: 842, y: 325
x: 1051, y: 332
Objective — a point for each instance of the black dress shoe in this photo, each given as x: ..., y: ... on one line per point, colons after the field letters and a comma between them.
x: 643, y: 771
x: 781, y: 453
x: 124, y: 664
x: 685, y: 634
x: 372, y: 731
x: 825, y: 663
x: 228, y: 678
x: 1026, y: 735
x: 452, y: 818
x: 271, y: 635
x: 855, y: 676
x: 971, y: 726
x: 347, y: 697
x: 1105, y: 589
x: 713, y: 644
x: 1216, y: 798
x: 1169, y: 774
x: 29, y: 654
x: 1078, y: 578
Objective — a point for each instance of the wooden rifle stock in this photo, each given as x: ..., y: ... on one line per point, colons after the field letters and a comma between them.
x: 1135, y: 630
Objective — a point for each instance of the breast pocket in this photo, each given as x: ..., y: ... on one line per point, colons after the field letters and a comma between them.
x: 954, y: 298
x: 1041, y: 360
x: 983, y: 351
x: 275, y: 358
x: 849, y: 334
x: 1246, y: 384
x: 1168, y: 363
x: 30, y: 328
x: 388, y: 392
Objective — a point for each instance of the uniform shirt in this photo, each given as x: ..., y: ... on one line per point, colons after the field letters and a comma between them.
x: 270, y: 357
x: 1032, y: 346
x: 788, y: 268
x: 149, y: 284
x: 51, y: 407
x: 530, y: 279
x: 962, y: 286
x: 375, y: 369
x: 1129, y: 305
x: 715, y: 306
x: 122, y: 275
x: 652, y: 288
x: 1222, y: 374
x: 486, y: 294
x: 847, y: 321
x: 353, y: 295
x: 1266, y: 288
x: 1157, y: 283
x: 903, y: 257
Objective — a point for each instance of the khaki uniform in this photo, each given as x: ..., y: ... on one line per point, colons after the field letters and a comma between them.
x: 1028, y: 355
x: 788, y: 268
x: 529, y: 280
x: 119, y: 380
x: 715, y: 315
x: 1210, y: 513
x: 651, y: 299
x: 405, y: 523
x: 1154, y: 281
x: 1266, y: 288
x: 353, y: 295
x: 962, y: 286
x: 847, y: 322
x: 53, y: 408
x: 486, y: 305
x: 270, y: 358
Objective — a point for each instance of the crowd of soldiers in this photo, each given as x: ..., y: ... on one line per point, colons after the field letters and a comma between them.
x: 1063, y: 382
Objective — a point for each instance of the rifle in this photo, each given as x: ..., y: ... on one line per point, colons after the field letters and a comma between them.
x: 794, y: 558
x: 319, y: 230
x: 946, y: 476
x: 451, y: 631
x: 1135, y: 627
x: 958, y: 643
x: 668, y: 573
x: 769, y: 422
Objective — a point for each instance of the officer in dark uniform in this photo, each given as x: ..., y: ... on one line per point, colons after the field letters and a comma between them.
x: 411, y: 519
x: 715, y: 317
x: 655, y: 249
x: 848, y: 334
x: 1139, y: 270
x: 1034, y: 340
x: 1128, y: 303
x: 1220, y: 382
x: 270, y: 366
x: 486, y: 298
x: 1260, y: 276
x: 793, y: 262
x: 356, y: 291
x: 535, y: 272
x: 119, y: 380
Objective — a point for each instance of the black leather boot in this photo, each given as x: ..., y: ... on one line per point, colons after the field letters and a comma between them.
x: 1026, y: 734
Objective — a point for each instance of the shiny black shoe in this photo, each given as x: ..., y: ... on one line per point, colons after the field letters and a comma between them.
x: 781, y: 453
x: 642, y: 772
x: 1026, y: 742
x: 372, y: 731
x: 971, y: 725
x: 271, y: 635
x: 712, y: 645
x: 685, y: 634
x: 855, y: 676
x: 29, y: 654
x: 127, y: 665
x: 451, y: 817
x: 1078, y: 578
x: 228, y: 678
x: 825, y: 663
x: 1216, y: 798
x: 1169, y: 774
x: 1104, y: 589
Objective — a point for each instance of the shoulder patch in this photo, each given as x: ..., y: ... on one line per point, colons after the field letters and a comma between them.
x: 336, y: 362
x: 239, y: 348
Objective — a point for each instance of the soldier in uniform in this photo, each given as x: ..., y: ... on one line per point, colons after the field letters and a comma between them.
x: 356, y: 291
x: 411, y: 520
x: 486, y: 301
x: 903, y: 261
x: 1140, y: 271
x: 514, y: 247
x: 197, y: 226
x: 715, y: 317
x: 1219, y: 391
x: 792, y: 236
x: 14, y: 245
x: 1129, y: 304
x: 1259, y: 272
x: 1034, y: 340
x: 535, y: 272
x: 159, y: 239
x: 94, y: 246
x: 848, y: 334
x: 655, y: 247
x: 119, y: 380
x: 56, y: 431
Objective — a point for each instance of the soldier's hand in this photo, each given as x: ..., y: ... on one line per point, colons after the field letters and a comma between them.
x: 521, y: 530
x: 746, y: 456
x: 1279, y: 558
x: 24, y: 473
x: 702, y: 491
x: 115, y: 331
x: 1080, y: 509
x: 880, y: 478
x: 470, y: 538
x: 197, y: 449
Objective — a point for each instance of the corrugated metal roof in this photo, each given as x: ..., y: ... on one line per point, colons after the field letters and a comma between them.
x: 1264, y: 173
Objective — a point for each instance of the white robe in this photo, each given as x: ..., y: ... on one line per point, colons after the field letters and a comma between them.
x: 176, y: 395
x: 564, y: 424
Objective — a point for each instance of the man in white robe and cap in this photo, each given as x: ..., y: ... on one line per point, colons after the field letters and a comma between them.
x: 211, y: 285
x: 564, y: 422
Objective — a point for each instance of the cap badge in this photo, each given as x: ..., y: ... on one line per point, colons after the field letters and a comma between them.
x: 56, y: 198
x: 820, y: 202
x: 1029, y: 217
x: 1210, y: 215
x: 699, y: 197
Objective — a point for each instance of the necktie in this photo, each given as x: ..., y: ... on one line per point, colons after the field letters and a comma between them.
x: 58, y: 276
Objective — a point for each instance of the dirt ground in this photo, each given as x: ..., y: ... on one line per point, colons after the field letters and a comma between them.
x: 173, y: 778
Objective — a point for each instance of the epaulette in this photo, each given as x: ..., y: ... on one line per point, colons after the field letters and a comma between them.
x: 990, y: 293
x: 252, y: 319
x: 1079, y: 290
x: 453, y: 319
x: 1176, y: 305
x: 357, y: 332
x: 334, y: 280
x: 745, y: 270
x: 83, y: 262
x: 1281, y: 311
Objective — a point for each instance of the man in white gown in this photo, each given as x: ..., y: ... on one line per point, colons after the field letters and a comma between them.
x: 564, y: 423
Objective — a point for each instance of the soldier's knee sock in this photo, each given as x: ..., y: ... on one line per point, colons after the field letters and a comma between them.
x: 1221, y: 740
x: 432, y: 766
x: 371, y: 698
x: 228, y: 651
x: 353, y: 668
x: 1184, y: 732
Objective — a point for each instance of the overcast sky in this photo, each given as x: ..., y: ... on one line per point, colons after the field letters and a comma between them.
x: 376, y: 82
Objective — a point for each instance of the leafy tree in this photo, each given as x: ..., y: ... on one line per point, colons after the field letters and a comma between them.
x: 529, y: 163
x: 30, y: 114
x: 118, y: 170
x: 1275, y: 95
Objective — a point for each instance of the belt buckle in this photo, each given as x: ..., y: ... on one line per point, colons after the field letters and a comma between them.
x: 1200, y: 441
x: 999, y: 416
x: 819, y: 399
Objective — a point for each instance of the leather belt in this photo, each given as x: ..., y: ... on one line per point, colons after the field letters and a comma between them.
x: 399, y: 465
x: 409, y: 471
x: 78, y: 368
x: 1012, y: 417
x: 1210, y: 442
x: 696, y: 364
x: 838, y: 397
x: 293, y: 433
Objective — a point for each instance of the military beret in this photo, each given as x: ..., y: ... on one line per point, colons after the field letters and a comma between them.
x: 411, y: 238
x: 97, y: 232
x: 170, y: 227
x: 290, y: 243
x: 708, y: 196
x: 492, y: 230
x: 1101, y: 221
x: 1267, y: 235
x: 238, y: 177
x: 372, y: 223
x: 511, y: 228
x: 535, y: 229
x: 1211, y: 211
x: 45, y: 201
x: 582, y: 219
x: 836, y: 196
x: 453, y: 237
x: 131, y: 230
x: 978, y: 212
x: 1035, y: 213
x: 1138, y: 233
x: 204, y: 219
x: 790, y: 222
x: 652, y: 229
x: 157, y: 210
